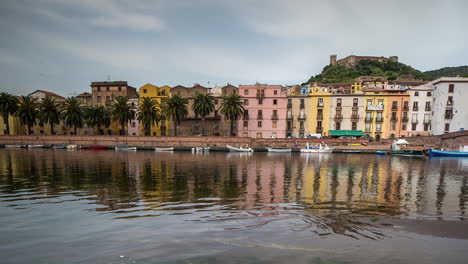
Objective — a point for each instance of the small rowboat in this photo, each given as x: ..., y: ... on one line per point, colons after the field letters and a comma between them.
x: 322, y: 148
x: 97, y: 147
x: 379, y: 152
x: 278, y: 150
x: 35, y: 146
x: 125, y: 148
x: 200, y: 149
x: 13, y: 146
x: 234, y: 149
x: 59, y: 147
x: 164, y: 149
x: 72, y: 147
x: 447, y: 153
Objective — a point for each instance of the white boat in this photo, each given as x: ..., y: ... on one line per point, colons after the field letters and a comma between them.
x: 322, y: 148
x: 125, y: 148
x: 278, y: 150
x: 201, y: 149
x: 164, y: 149
x: 13, y: 146
x: 72, y: 147
x: 234, y: 149
x: 35, y: 146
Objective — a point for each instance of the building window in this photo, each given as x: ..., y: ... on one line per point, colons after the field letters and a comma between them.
x: 416, y: 93
x: 405, y: 105
x: 245, y: 134
x: 274, y: 124
x: 99, y: 89
x: 133, y: 124
x: 319, y: 124
x: 403, y: 127
x: 426, y: 127
x: 246, y: 124
x: 338, y: 102
x: 107, y: 88
x: 353, y: 126
x: 259, y: 135
x: 107, y: 99
x: 260, y: 114
x: 246, y: 92
x: 99, y: 99
x: 415, y: 106
x: 450, y: 100
x: 338, y: 126
x: 275, y: 92
x: 275, y: 102
x: 413, y: 127
x: 260, y: 101
x: 246, y: 102
x: 120, y: 89
x: 234, y: 92
x: 355, y: 101
x: 289, y: 126
x: 259, y: 123
x: 378, y: 127
x: 393, y: 125
x: 447, y: 128
x: 320, y: 102
x: 451, y: 88
x: 394, y: 105
x: 145, y: 91
x: 428, y: 106
x: 273, y: 135
x: 368, y: 127
x: 301, y: 125
x: 429, y: 94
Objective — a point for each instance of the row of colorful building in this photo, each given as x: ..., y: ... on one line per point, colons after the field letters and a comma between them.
x: 371, y: 106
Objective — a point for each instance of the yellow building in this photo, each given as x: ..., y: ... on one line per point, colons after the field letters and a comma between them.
x: 319, y: 110
x: 375, y: 122
x: 159, y: 94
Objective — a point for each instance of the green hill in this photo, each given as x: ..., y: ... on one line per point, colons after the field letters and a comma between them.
x: 461, y: 71
x: 390, y: 69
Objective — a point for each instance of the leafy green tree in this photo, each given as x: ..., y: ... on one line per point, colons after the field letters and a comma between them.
x: 8, y: 106
x: 176, y: 109
x: 97, y: 116
x: 203, y: 105
x: 148, y: 113
x: 49, y: 112
x: 27, y: 112
x: 73, y: 113
x: 122, y: 112
x: 232, y: 109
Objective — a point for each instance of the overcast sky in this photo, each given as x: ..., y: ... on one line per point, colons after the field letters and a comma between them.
x: 63, y: 45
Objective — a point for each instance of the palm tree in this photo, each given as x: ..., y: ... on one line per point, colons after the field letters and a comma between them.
x: 73, y: 114
x: 97, y: 116
x: 203, y: 105
x: 232, y: 109
x: 8, y: 106
x: 176, y: 109
x: 49, y: 112
x: 27, y: 112
x: 122, y: 112
x: 148, y: 113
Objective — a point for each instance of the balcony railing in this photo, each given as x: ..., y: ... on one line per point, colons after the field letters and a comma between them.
x: 246, y: 117
x: 259, y: 117
x: 339, y: 108
x: 261, y: 94
x: 394, y: 118
x: 394, y: 108
x: 415, y: 108
x: 289, y: 117
x: 320, y: 104
x: 354, y: 118
x: 338, y: 118
x: 427, y: 109
x: 368, y: 119
x: 426, y: 122
x: 274, y: 117
x: 405, y: 108
x: 414, y: 121
x: 302, y: 106
x: 301, y: 117
x: 320, y: 117
x: 448, y: 115
x: 379, y: 119
x: 404, y: 119
x: 319, y: 129
x: 289, y: 105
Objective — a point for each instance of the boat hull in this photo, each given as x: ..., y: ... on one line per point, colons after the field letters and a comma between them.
x: 444, y: 153
x: 124, y: 148
x: 408, y: 153
x: 279, y: 150
x: 234, y: 149
x: 316, y: 150
x: 164, y: 149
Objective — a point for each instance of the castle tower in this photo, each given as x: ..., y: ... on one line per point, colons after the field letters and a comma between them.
x: 333, y: 59
x: 393, y: 58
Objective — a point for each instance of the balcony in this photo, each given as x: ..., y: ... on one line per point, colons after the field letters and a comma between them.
x: 415, y: 108
x: 301, y: 117
x: 319, y: 129
x: 246, y: 117
x: 354, y: 118
x: 379, y: 119
x: 405, y: 108
x: 427, y: 109
x: 375, y: 107
x: 289, y: 105
x: 394, y: 108
x: 404, y: 119
x: 427, y: 122
x: 260, y: 95
x: 259, y: 117
x: 274, y: 117
x: 448, y: 115
x: 301, y: 106
x: 338, y: 118
x: 414, y: 121
x: 339, y: 108
x: 394, y: 118
x: 320, y: 117
x: 355, y: 107
x: 369, y: 119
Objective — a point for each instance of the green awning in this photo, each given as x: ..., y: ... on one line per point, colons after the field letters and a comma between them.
x: 346, y: 133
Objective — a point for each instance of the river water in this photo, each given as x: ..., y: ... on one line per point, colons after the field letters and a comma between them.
x: 59, y: 206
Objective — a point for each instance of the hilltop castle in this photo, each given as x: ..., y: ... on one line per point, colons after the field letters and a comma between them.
x: 352, y: 60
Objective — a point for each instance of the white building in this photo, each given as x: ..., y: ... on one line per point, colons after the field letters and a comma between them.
x: 450, y: 105
x: 420, y: 107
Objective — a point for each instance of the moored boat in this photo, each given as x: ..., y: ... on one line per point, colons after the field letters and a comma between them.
x: 241, y: 149
x: 400, y: 148
x: 35, y: 146
x: 448, y: 153
x: 13, y: 146
x: 72, y: 147
x: 278, y: 150
x: 59, y: 146
x: 164, y: 149
x: 379, y: 152
x: 125, y: 148
x: 322, y: 148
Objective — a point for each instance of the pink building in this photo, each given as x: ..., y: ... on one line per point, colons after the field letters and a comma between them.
x: 265, y: 114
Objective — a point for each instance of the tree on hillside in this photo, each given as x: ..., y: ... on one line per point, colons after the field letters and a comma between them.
x: 73, y: 113
x: 97, y: 116
x: 232, y: 109
x: 176, y: 109
x: 49, y: 112
x: 122, y: 112
x: 148, y: 113
x: 27, y: 112
x: 203, y: 105
x: 8, y: 106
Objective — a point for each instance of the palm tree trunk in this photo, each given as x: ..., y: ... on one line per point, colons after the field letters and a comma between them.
x: 7, y: 124
x: 147, y: 130
x: 52, y: 128
x: 203, y: 126
x: 232, y: 127
x: 29, y: 130
x: 76, y: 132
x: 175, y: 128
x: 122, y: 125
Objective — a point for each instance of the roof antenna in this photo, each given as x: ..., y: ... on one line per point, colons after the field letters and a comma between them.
x: 108, y: 77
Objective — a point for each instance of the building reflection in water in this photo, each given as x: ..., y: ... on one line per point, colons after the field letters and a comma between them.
x: 323, y: 189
